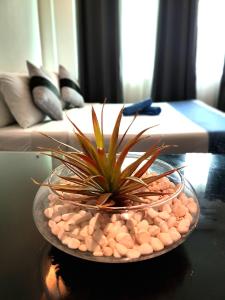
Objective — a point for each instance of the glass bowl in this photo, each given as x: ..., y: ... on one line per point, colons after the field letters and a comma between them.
x: 41, y: 202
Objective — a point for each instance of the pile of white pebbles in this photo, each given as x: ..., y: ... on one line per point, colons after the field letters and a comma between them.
x: 129, y: 234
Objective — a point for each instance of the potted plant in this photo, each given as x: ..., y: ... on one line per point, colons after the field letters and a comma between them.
x: 105, y: 204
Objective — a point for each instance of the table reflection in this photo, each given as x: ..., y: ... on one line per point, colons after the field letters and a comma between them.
x: 66, y: 277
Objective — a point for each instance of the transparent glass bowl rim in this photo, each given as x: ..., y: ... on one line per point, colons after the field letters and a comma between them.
x: 117, y: 209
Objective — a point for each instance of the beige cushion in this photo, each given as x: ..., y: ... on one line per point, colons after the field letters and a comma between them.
x: 45, y: 93
x: 6, y: 118
x: 70, y: 92
x: 15, y: 89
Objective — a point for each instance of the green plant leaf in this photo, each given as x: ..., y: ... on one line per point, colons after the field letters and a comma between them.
x: 97, y: 131
x: 113, y: 140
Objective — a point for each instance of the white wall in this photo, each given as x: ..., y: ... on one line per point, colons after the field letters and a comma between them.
x: 19, y: 35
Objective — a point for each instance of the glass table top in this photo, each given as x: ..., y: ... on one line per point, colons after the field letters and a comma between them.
x: 32, y: 269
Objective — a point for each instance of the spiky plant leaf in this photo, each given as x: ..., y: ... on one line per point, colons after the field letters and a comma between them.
x: 97, y: 174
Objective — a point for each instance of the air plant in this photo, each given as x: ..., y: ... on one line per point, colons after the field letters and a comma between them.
x: 97, y: 173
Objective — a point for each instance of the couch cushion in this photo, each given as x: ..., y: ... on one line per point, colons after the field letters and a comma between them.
x: 45, y: 93
x: 69, y: 88
x: 15, y: 90
x: 6, y: 117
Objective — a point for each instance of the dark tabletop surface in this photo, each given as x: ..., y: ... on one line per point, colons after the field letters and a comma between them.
x: 32, y: 269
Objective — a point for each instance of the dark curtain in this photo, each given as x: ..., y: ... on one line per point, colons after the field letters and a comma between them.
x: 221, y: 99
x: 99, y: 50
x: 174, y: 71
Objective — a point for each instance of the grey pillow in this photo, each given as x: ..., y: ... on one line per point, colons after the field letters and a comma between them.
x: 6, y: 118
x: 69, y: 88
x: 15, y: 89
x: 45, y: 93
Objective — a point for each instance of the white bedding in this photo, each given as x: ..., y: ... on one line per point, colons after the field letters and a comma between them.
x: 173, y: 128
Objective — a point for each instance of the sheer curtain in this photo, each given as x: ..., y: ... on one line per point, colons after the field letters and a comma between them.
x: 210, y: 49
x: 138, y: 40
x: 57, y: 23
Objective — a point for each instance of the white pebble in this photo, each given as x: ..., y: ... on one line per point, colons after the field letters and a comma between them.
x: 125, y: 239
x: 48, y: 212
x: 84, y: 231
x: 143, y: 225
x: 164, y: 215
x: 152, y: 213
x: 76, y: 231
x: 107, y: 251
x: 123, y: 228
x: 67, y: 216
x: 60, y: 234
x: 192, y: 207
x: 114, y: 229
x: 130, y: 224
x: 154, y: 230
x: 163, y: 226
x: 183, y: 198
x: 112, y: 243
x: 143, y: 237
x: 165, y: 238
x: 73, y: 243
x: 61, y: 224
x: 65, y: 240
x: 166, y: 207
x: 189, y: 217
x: 114, y: 217
x: 116, y: 253
x: 51, y: 223
x: 133, y: 253
x: 121, y: 249
x: 83, y: 247
x: 91, y: 244
x: 103, y: 241
x: 97, y: 253
x: 175, y: 235
x: 156, y: 244
x: 83, y: 217
x: 171, y: 221
x: 57, y: 219
x: 183, y: 226
x: 57, y: 209
x: 145, y: 249
x: 138, y: 216
x: 125, y: 216
x: 179, y: 210
x: 55, y: 229
x: 97, y: 235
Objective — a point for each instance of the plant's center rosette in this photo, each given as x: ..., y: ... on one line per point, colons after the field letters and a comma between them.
x: 124, y: 232
x: 168, y: 188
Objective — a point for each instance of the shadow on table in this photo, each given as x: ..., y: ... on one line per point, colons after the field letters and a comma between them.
x: 67, y: 277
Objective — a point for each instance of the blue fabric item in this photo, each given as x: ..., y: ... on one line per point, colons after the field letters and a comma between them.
x: 151, y: 111
x: 142, y: 108
x: 211, y: 121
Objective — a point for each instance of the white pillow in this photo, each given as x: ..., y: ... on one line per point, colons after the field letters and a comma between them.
x: 6, y: 118
x: 69, y: 88
x: 16, y: 93
x: 45, y: 93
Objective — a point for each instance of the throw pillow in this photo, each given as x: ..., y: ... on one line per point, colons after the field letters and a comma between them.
x: 15, y: 90
x: 6, y: 118
x: 70, y: 90
x: 45, y: 93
